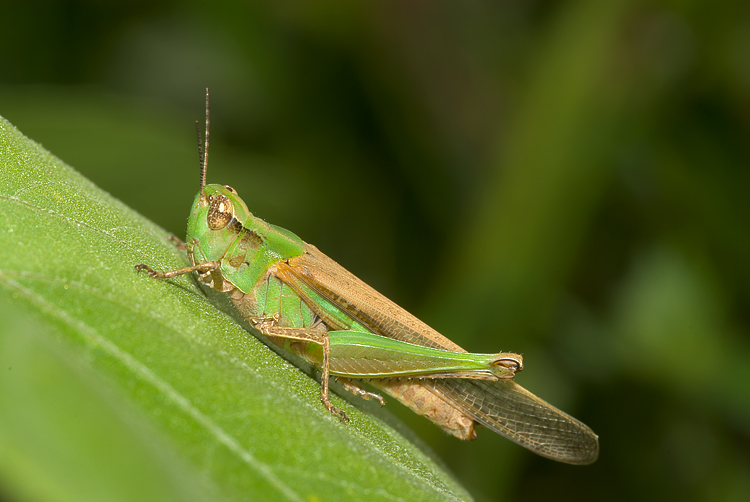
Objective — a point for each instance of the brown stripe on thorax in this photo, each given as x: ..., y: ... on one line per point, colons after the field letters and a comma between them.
x: 249, y: 240
x: 235, y: 226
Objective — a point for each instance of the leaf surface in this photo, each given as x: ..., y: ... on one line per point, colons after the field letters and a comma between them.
x: 118, y: 375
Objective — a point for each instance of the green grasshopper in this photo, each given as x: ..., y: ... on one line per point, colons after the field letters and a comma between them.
x: 308, y: 304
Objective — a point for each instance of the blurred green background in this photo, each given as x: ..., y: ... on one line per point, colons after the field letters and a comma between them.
x: 566, y: 180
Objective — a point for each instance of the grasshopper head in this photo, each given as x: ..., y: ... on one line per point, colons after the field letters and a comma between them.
x: 215, y: 221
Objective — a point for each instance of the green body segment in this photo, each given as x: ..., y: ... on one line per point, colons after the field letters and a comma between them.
x: 365, y: 355
x: 273, y: 297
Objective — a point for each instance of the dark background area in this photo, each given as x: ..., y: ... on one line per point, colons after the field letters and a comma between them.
x: 566, y: 180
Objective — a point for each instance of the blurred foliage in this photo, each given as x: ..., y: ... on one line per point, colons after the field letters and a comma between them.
x: 567, y: 180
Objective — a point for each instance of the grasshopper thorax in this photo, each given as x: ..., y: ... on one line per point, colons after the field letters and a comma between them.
x: 221, y: 229
x: 216, y: 220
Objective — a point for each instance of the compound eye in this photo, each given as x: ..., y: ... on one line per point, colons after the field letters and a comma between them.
x: 220, y: 212
x: 232, y: 190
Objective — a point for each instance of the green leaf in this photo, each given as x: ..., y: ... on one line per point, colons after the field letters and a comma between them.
x: 119, y: 387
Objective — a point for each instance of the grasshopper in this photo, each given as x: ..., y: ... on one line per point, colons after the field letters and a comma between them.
x: 306, y: 303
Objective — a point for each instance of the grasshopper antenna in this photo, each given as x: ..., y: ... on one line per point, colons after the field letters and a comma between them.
x: 200, y: 153
x: 203, y: 147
